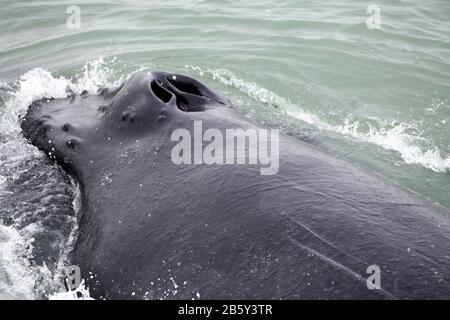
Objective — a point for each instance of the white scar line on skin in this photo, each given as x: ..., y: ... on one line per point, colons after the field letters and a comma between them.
x: 231, y: 149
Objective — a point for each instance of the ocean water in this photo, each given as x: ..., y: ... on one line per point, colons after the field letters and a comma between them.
x: 375, y: 92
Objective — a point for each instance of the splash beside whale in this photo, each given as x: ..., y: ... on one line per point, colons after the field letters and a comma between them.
x: 154, y: 229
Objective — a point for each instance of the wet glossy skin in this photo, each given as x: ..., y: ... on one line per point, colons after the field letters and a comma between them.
x: 153, y: 229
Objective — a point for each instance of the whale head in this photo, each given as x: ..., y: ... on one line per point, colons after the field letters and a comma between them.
x: 143, y: 104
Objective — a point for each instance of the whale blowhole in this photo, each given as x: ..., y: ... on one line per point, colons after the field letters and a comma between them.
x: 160, y: 92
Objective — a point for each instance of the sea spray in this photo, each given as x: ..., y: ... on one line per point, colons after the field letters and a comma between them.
x: 22, y: 274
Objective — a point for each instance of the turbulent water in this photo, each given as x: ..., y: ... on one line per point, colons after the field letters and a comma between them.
x: 378, y: 96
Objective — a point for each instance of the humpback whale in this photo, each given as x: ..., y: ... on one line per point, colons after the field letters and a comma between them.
x: 320, y: 228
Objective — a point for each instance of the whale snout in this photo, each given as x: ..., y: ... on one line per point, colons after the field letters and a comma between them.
x: 146, y: 102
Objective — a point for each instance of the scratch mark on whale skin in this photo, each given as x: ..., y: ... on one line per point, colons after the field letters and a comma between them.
x: 338, y: 266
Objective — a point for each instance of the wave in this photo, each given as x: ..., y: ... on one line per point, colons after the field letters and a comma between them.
x: 16, y: 280
x: 394, y: 137
x: 39, y: 83
x: 79, y: 293
x: 20, y: 276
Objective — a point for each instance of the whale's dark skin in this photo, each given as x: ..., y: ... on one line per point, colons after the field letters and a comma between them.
x: 153, y: 229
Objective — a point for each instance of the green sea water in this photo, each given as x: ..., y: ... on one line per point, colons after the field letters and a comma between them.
x: 375, y: 92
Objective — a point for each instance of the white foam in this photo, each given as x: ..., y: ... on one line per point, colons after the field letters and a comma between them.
x: 19, y: 279
x: 80, y: 293
x: 397, y: 139
x: 39, y: 83
x: 16, y: 280
x: 95, y: 75
x: 2, y: 181
x: 393, y: 138
x: 13, y: 269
